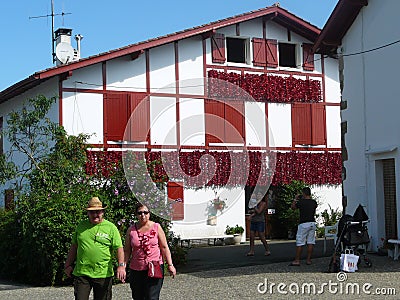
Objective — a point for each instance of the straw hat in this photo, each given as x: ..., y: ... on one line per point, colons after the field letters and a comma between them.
x: 95, y: 204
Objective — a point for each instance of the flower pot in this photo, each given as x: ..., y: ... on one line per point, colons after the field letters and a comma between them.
x: 212, y: 220
x: 237, y: 238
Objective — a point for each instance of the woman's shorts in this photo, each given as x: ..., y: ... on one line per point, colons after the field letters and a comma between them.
x: 257, y: 226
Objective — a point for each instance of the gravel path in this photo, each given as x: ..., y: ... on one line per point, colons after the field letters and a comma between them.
x: 268, y: 281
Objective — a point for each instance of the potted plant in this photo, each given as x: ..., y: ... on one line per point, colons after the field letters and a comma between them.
x: 237, y: 232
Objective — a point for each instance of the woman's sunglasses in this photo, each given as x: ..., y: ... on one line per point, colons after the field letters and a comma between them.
x: 142, y: 212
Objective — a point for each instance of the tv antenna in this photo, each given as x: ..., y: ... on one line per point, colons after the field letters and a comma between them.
x: 52, y: 15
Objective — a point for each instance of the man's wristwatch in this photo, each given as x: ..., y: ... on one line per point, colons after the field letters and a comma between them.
x: 122, y: 264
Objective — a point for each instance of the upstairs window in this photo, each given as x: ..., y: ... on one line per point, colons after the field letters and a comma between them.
x: 237, y: 50
x: 287, y: 55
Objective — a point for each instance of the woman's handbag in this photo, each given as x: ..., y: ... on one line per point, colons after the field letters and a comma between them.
x: 154, y: 270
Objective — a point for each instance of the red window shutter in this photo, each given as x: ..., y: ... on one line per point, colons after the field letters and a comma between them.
x: 308, y: 57
x: 175, y: 195
x: 272, y: 53
x: 301, y: 123
x: 140, y: 117
x: 214, y: 118
x: 116, y: 115
x: 259, y: 52
x: 318, y: 128
x: 218, y: 48
x: 234, y: 125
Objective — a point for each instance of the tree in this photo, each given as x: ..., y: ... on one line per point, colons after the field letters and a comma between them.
x: 30, y: 134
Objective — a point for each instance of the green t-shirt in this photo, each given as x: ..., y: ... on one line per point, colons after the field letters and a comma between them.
x: 96, y: 243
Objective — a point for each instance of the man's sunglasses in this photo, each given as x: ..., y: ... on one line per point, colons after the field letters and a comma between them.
x: 143, y: 212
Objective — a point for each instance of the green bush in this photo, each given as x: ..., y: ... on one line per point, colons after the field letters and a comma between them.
x: 10, y: 239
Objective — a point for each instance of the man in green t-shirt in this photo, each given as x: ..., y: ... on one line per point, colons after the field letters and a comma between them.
x: 93, y: 244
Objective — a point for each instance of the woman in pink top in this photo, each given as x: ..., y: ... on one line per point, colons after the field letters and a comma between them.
x: 145, y: 241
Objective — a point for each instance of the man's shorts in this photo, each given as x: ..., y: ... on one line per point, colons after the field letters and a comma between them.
x: 305, y: 234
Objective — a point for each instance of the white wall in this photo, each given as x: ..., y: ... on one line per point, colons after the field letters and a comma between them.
x: 162, y: 69
x: 81, y: 114
x: 163, y: 120
x: 86, y: 78
x: 280, y: 122
x: 333, y: 134
x: 371, y: 91
x: 327, y: 197
x: 126, y: 74
x: 332, y: 84
x: 191, y: 77
x: 192, y: 122
x: 255, y: 124
x: 197, y: 209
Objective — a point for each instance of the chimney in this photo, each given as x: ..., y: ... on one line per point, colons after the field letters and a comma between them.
x: 64, y: 51
x: 63, y: 35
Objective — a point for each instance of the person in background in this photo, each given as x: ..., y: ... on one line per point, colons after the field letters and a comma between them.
x: 257, y: 223
x: 306, y: 228
x: 93, y: 244
x: 146, y: 241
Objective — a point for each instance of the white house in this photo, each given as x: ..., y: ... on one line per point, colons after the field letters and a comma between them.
x: 245, y: 92
x: 368, y: 49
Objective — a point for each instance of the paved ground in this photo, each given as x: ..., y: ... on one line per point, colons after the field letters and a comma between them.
x: 224, y: 272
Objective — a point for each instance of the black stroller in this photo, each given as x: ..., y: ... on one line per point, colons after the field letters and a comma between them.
x: 352, y: 235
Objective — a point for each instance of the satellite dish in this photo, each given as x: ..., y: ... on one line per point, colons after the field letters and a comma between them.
x: 64, y: 52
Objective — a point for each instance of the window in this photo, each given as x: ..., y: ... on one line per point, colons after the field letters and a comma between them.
x: 1, y: 136
x: 119, y: 107
x: 237, y: 50
x: 224, y: 121
x: 175, y: 196
x: 287, y: 55
x: 308, y: 124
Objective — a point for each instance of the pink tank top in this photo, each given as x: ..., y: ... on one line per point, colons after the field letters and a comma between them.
x: 145, y: 247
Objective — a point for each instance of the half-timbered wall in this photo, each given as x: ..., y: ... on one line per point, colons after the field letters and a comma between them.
x: 98, y: 99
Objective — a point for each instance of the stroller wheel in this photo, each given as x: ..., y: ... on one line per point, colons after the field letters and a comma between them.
x: 368, y: 262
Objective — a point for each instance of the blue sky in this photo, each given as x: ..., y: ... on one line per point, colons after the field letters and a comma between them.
x: 106, y: 25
